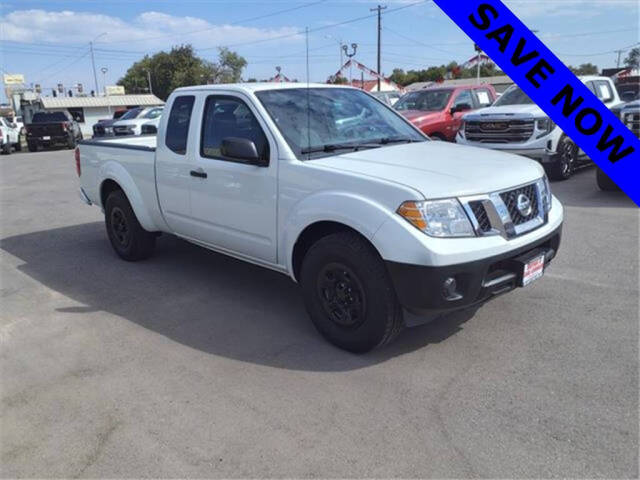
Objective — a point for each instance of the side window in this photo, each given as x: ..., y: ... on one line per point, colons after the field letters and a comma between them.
x: 178, y: 125
x: 592, y: 87
x: 484, y: 97
x: 77, y: 114
x: 155, y: 113
x: 603, y: 91
x: 463, y: 98
x: 229, y: 117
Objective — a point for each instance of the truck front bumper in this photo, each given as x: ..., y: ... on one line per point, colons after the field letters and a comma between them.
x: 428, y: 292
x: 543, y: 150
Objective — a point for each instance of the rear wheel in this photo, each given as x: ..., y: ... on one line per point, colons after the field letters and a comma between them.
x: 71, y: 143
x: 33, y: 147
x: 130, y: 241
x: 348, y: 293
x: 564, y: 162
x: 6, y: 147
x: 605, y: 183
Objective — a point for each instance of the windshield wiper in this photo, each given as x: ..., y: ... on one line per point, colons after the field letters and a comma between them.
x: 332, y: 147
x: 387, y: 140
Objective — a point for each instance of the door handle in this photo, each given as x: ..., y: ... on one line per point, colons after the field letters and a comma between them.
x: 198, y: 173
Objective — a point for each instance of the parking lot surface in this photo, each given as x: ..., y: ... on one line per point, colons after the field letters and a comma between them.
x: 192, y: 364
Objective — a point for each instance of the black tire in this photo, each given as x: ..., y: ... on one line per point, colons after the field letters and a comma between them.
x: 605, y: 183
x: 6, y: 148
x: 564, y: 162
x: 130, y: 241
x: 71, y: 143
x: 33, y: 147
x: 18, y: 146
x: 348, y: 293
x: 436, y: 137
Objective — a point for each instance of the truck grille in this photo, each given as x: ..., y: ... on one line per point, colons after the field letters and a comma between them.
x: 484, y: 224
x: 510, y: 200
x: 632, y: 121
x: 122, y: 130
x: 506, y: 131
x: 508, y: 213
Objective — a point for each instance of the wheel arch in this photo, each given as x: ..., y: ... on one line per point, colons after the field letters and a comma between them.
x: 115, y: 177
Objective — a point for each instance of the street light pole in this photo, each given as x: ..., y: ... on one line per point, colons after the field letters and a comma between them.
x: 149, y: 80
x: 104, y: 71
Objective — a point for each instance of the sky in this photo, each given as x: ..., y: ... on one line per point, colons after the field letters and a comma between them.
x: 48, y: 41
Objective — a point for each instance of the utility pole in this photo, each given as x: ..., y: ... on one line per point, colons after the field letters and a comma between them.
x: 149, y: 80
x: 619, y: 52
x: 93, y: 61
x: 93, y: 64
x: 379, y: 9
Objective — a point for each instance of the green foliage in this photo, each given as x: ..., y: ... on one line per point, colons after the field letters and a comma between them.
x: 585, y: 69
x: 443, y: 72
x: 633, y: 59
x: 180, y: 68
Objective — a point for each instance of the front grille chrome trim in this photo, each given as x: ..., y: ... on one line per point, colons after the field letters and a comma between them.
x: 500, y: 221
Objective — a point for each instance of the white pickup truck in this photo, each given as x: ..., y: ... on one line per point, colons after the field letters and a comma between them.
x: 515, y: 124
x: 380, y: 226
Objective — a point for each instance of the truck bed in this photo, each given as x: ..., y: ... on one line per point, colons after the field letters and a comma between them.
x: 143, y: 142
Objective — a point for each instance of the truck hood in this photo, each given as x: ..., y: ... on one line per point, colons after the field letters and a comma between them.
x: 439, y: 169
x: 133, y: 122
x: 417, y: 116
x: 507, y: 111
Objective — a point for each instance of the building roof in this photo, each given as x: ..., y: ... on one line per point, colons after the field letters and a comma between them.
x: 110, y: 101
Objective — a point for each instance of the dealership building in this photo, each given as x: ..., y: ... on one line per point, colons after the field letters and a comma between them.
x: 86, y: 110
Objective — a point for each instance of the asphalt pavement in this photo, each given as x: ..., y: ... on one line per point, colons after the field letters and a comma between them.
x: 192, y: 364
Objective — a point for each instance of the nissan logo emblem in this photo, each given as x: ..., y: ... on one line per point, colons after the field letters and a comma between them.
x: 523, y: 204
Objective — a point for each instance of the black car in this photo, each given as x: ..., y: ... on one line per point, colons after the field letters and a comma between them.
x: 104, y: 128
x: 48, y: 129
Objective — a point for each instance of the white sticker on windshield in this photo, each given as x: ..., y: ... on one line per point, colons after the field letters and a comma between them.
x: 483, y: 97
x: 604, y: 91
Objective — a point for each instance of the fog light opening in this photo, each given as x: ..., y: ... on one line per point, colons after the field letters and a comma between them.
x: 450, y: 290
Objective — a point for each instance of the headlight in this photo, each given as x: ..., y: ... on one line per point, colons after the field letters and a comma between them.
x: 438, y: 218
x: 545, y: 126
x: 545, y: 191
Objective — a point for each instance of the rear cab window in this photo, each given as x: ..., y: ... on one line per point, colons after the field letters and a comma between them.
x: 177, y: 131
x: 45, y: 117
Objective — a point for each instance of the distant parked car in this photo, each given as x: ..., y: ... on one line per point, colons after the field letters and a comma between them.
x: 389, y: 97
x: 132, y: 124
x: 438, y: 111
x: 104, y: 128
x: 9, y: 136
x: 48, y: 129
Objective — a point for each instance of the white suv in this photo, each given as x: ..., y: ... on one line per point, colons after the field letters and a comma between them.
x: 515, y: 124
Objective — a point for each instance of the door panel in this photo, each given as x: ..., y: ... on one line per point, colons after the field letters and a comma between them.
x: 173, y: 166
x: 234, y: 207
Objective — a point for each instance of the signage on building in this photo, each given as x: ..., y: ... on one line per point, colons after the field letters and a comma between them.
x: 114, y: 90
x: 13, y: 79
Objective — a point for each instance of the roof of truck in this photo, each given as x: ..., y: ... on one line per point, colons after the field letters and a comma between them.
x: 259, y: 86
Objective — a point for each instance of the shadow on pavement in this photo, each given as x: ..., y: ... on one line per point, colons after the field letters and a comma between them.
x: 581, y: 190
x: 199, y: 298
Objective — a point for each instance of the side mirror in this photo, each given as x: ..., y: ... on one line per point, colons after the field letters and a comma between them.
x: 463, y: 107
x: 242, y: 149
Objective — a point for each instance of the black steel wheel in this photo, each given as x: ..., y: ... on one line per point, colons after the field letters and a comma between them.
x: 348, y: 293
x: 342, y: 295
x: 130, y: 241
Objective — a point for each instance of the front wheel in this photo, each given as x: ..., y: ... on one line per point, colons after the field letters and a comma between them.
x: 33, y: 147
x: 348, y: 293
x: 564, y: 162
x: 130, y: 241
x: 6, y: 148
x: 71, y: 143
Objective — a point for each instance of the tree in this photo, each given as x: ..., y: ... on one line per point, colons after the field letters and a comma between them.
x: 180, y: 67
x: 585, y: 69
x: 633, y: 59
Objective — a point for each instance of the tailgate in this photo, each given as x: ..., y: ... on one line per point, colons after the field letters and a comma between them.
x: 46, y: 129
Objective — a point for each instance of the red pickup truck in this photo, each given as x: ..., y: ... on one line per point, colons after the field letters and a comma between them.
x: 438, y: 111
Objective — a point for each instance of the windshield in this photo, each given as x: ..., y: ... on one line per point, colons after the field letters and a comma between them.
x: 46, y: 117
x: 424, y: 100
x: 153, y: 113
x: 318, y: 121
x: 131, y: 114
x: 513, y: 96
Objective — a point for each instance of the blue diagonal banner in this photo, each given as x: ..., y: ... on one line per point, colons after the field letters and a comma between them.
x: 552, y: 86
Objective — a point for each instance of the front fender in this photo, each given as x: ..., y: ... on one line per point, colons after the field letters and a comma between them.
x: 112, y: 170
x: 357, y: 212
